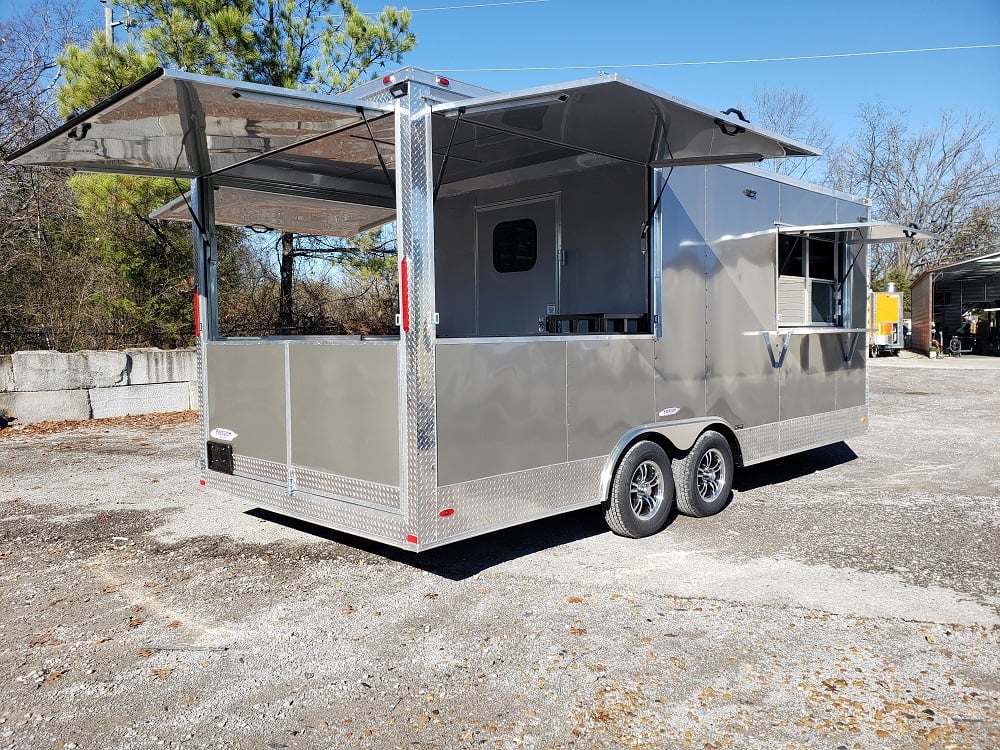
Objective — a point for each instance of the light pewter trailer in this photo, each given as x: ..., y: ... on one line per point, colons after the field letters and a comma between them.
x: 591, y: 310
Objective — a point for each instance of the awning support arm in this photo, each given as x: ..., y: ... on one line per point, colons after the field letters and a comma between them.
x: 447, y: 154
x: 847, y: 273
x: 381, y: 161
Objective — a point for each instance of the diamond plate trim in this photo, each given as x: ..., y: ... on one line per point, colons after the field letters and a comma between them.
x: 381, y: 526
x: 348, y: 488
x: 258, y: 468
x: 418, y: 454
x: 508, y: 499
x: 802, y: 433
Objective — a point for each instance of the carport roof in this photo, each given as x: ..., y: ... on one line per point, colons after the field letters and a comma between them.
x: 974, y: 269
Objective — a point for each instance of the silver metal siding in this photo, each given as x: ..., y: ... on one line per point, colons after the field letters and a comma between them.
x: 501, y: 407
x: 246, y: 394
x: 345, y: 409
x: 680, y: 352
x: 609, y: 387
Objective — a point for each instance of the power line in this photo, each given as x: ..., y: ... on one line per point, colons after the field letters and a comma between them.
x: 479, y: 5
x: 720, y: 62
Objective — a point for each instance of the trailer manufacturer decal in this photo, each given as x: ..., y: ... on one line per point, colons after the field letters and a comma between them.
x: 221, y: 433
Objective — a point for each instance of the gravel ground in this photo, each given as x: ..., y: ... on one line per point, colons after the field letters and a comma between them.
x: 846, y: 599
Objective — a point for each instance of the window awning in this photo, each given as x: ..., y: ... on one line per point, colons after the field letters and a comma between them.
x: 615, y: 117
x: 176, y: 124
x: 240, y: 207
x: 863, y: 233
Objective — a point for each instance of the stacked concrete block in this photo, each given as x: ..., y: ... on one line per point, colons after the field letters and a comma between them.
x: 39, y: 386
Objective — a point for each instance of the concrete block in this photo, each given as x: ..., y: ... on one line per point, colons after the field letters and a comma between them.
x: 140, y: 399
x: 6, y: 373
x: 194, y: 396
x: 46, y: 406
x: 105, y: 369
x: 55, y: 371
x: 158, y: 366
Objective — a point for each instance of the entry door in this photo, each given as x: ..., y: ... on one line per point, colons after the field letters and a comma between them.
x: 517, y: 271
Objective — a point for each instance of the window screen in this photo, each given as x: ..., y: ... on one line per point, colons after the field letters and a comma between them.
x: 515, y: 246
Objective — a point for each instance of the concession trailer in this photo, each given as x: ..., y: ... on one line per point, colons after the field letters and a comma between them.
x: 596, y: 306
x: 886, y: 330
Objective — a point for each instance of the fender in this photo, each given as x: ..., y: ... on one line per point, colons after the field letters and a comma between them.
x: 681, y: 434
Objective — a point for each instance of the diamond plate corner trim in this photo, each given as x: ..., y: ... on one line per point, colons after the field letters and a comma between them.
x: 380, y: 526
x: 415, y: 209
x: 258, y: 468
x: 802, y: 433
x: 347, y: 488
x: 509, y: 499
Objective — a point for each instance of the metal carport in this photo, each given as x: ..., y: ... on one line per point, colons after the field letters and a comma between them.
x: 941, y: 296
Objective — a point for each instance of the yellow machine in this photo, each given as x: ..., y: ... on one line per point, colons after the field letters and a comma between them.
x: 885, y: 322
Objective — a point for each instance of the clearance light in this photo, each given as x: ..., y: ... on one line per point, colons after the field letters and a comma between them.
x: 404, y: 294
x: 202, y: 482
x: 447, y: 512
x: 411, y: 538
x: 442, y: 81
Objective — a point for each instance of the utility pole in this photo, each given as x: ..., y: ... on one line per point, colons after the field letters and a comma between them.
x: 109, y: 22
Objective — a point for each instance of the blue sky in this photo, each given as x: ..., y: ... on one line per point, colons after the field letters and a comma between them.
x: 614, y: 35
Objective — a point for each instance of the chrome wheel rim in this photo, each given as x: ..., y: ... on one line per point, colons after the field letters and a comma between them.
x: 711, y: 475
x: 646, y: 490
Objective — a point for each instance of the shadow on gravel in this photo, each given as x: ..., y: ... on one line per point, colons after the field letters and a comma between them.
x: 463, y: 559
x: 792, y: 467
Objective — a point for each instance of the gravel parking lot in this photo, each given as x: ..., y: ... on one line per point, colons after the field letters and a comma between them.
x: 846, y: 599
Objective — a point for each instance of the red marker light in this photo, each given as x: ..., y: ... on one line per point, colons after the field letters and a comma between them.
x: 197, y: 315
x: 411, y: 538
x: 202, y: 482
x: 447, y: 512
x: 404, y: 295
x: 443, y: 81
x: 387, y: 80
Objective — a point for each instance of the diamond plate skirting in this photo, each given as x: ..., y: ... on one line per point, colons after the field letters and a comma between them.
x: 509, y: 499
x: 794, y: 435
x: 257, y: 468
x: 355, y: 490
x: 362, y: 521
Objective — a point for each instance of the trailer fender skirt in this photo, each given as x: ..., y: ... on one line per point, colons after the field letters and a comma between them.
x: 681, y: 435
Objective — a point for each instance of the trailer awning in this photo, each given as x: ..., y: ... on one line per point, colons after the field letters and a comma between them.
x: 176, y: 124
x: 608, y: 116
x: 863, y: 232
x: 240, y: 207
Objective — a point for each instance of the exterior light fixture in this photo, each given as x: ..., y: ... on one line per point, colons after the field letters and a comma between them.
x: 750, y: 193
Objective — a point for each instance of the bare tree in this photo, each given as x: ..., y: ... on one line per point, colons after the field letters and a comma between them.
x: 938, y: 178
x: 790, y: 112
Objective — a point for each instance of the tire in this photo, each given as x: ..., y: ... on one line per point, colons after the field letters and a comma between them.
x: 703, y: 477
x: 642, y: 492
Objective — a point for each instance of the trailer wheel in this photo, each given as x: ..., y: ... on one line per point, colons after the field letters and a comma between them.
x: 642, y: 492
x: 704, y: 476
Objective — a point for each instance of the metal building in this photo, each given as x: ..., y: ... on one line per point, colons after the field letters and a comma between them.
x: 941, y: 297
